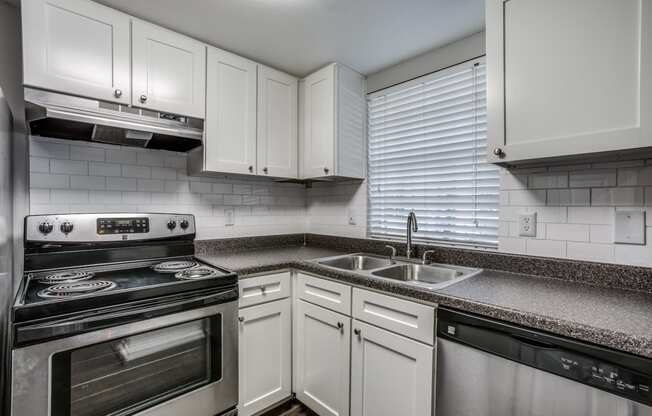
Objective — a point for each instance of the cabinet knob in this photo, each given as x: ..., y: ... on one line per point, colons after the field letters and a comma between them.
x: 117, y: 93
x: 326, y: 170
x: 265, y: 169
x: 499, y: 152
x: 251, y: 168
x: 241, y: 318
x: 357, y: 331
x: 143, y: 98
x: 262, y: 289
x: 340, y: 326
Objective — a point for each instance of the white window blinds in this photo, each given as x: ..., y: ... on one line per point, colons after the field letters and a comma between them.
x: 427, y: 143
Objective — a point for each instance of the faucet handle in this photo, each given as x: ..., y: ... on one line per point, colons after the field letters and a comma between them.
x: 393, y: 253
x: 424, y: 255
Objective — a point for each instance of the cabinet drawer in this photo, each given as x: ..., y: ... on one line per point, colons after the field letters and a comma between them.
x: 259, y: 289
x: 411, y: 319
x: 322, y: 292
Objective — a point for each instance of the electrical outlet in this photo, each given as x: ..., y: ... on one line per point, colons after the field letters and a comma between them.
x: 527, y: 224
x: 229, y: 217
x: 351, y: 218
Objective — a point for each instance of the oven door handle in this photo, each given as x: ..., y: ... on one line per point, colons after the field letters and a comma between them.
x: 31, y: 333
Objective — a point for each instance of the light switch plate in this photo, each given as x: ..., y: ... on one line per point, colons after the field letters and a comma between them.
x: 629, y: 227
x: 527, y: 224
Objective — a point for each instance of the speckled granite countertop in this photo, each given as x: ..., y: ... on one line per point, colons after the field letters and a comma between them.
x: 615, y: 318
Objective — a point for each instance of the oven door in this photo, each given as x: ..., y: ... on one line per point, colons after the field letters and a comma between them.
x: 183, y: 363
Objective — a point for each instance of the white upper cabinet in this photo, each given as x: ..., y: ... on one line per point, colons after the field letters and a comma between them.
x: 277, y: 123
x: 76, y: 47
x: 332, y: 123
x: 168, y: 70
x: 230, y: 138
x: 568, y: 78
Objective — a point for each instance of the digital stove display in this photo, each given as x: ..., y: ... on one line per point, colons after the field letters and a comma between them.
x: 122, y: 225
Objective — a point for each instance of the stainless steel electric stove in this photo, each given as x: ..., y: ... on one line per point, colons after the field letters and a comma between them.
x: 116, y: 316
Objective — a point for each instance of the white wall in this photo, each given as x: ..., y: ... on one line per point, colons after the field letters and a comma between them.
x: 71, y: 176
x: 440, y: 58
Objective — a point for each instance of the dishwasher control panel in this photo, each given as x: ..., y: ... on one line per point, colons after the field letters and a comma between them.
x: 593, y: 372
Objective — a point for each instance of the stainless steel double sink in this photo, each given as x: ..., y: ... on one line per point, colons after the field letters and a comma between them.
x: 433, y: 276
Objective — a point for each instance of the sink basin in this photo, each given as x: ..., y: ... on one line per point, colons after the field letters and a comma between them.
x: 357, y: 262
x: 419, y: 273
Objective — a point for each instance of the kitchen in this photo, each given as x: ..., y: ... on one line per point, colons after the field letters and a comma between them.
x: 288, y: 207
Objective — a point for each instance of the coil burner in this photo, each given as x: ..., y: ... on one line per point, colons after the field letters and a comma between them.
x: 175, y: 266
x: 76, y: 289
x: 197, y: 273
x: 64, y: 277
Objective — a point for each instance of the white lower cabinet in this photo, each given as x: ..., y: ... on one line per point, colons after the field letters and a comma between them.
x: 265, y: 355
x: 390, y: 374
x: 321, y: 358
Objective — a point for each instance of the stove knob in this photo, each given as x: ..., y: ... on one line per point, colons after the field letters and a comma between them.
x: 45, y: 227
x: 172, y: 224
x: 184, y: 224
x: 66, y: 227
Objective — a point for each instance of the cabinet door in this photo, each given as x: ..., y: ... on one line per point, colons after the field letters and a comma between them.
x: 568, y: 78
x: 230, y: 140
x: 77, y: 47
x: 390, y: 374
x: 264, y: 356
x: 277, y: 123
x: 318, y: 135
x: 321, y: 348
x: 168, y: 70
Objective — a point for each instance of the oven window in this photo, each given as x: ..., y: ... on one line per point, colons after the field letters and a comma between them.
x: 129, y: 374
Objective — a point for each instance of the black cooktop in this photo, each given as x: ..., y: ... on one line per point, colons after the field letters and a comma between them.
x: 94, y: 287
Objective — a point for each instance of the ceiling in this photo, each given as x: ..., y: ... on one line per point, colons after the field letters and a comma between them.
x: 299, y: 36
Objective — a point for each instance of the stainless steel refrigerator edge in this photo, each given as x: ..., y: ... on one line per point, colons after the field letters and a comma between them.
x: 6, y: 237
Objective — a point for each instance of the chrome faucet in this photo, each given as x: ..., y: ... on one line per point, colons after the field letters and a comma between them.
x: 411, y: 227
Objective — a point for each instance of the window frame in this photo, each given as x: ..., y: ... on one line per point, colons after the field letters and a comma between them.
x: 406, y: 85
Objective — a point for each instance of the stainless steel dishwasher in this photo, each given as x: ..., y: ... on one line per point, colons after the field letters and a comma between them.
x: 490, y: 368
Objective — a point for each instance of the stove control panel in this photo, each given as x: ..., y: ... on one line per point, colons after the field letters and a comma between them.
x: 107, y: 227
x: 122, y: 225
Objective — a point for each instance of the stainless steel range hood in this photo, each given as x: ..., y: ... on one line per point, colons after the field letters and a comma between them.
x: 67, y: 117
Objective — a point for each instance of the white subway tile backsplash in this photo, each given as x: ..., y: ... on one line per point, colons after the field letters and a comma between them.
x: 601, y: 233
x: 118, y: 155
x: 546, y: 248
x: 201, y: 187
x: 527, y: 197
x: 146, y: 158
x: 164, y: 198
x: 71, y: 167
x: 567, y: 232
x: 242, y: 189
x: 177, y: 162
x: 39, y: 196
x: 104, y: 169
x: 122, y: 184
x: 68, y: 196
x: 569, y: 197
x: 39, y: 164
x: 164, y: 173
x: 105, y: 197
x: 548, y: 180
x: 87, y: 182
x: 617, y: 196
x: 136, y: 197
x: 590, y: 252
x: 134, y: 171
x: 46, y: 180
x: 49, y: 149
x: 592, y: 178
x: 151, y: 185
x: 590, y: 215
x: 177, y: 186
x: 87, y: 153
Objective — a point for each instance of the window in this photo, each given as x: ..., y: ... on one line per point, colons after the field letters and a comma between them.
x: 427, y: 144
